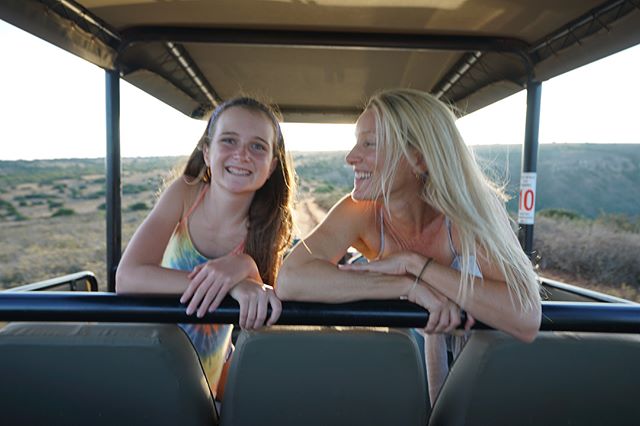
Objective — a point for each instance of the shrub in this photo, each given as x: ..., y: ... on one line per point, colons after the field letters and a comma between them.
x: 19, y: 217
x: 63, y: 212
x: 560, y: 214
x: 55, y: 204
x: 589, y: 251
x: 60, y: 187
x: 131, y: 188
x: 619, y: 222
x: 94, y: 195
x: 138, y: 206
x: 324, y: 188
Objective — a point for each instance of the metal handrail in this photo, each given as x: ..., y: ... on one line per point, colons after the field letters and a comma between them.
x: 70, y: 279
x: 109, y: 307
x: 596, y: 296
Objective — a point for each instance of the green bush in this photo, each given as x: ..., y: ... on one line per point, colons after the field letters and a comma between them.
x: 94, y: 195
x: 54, y: 204
x: 560, y: 214
x: 60, y: 187
x: 132, y: 188
x: 36, y: 196
x: 19, y: 217
x: 324, y: 188
x: 63, y: 212
x: 619, y: 222
x: 138, y: 206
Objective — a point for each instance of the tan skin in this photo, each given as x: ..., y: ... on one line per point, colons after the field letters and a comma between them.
x: 241, y: 159
x: 310, y: 272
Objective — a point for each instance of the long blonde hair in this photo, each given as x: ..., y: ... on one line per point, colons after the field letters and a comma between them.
x: 410, y: 121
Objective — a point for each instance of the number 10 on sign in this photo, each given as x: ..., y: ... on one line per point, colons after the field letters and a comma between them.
x: 527, y: 201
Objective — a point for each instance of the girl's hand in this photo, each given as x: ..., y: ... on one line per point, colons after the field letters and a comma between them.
x: 394, y: 264
x: 254, y: 299
x: 211, y: 281
x: 444, y: 315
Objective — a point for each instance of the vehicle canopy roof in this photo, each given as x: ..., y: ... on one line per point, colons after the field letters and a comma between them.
x: 320, y: 60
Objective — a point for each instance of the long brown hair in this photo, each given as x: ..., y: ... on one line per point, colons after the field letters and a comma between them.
x: 270, y: 221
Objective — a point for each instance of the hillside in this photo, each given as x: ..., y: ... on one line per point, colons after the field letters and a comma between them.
x: 589, y: 179
x: 52, y: 212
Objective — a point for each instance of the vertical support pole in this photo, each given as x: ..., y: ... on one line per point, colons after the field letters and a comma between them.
x: 527, y: 197
x: 114, y: 220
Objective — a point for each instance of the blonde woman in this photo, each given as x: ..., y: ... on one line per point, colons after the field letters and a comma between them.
x: 433, y: 227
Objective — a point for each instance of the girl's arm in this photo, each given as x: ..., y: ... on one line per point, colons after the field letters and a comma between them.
x: 139, y: 271
x: 204, y: 288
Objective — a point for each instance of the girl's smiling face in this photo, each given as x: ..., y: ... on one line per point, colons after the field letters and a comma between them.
x: 240, y: 153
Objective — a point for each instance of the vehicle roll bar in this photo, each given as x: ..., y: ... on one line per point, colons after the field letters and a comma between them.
x: 109, y: 307
x: 78, y: 281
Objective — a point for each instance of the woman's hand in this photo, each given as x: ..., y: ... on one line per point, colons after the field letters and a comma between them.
x: 254, y: 299
x: 211, y: 281
x: 394, y: 264
x: 444, y: 315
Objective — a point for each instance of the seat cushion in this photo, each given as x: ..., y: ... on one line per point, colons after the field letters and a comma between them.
x: 560, y: 379
x: 101, y: 374
x: 325, y: 376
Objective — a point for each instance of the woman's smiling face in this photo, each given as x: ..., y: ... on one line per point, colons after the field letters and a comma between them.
x: 240, y: 153
x: 363, y: 157
x: 368, y: 159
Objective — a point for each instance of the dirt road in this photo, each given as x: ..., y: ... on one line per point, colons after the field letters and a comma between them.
x: 306, y: 216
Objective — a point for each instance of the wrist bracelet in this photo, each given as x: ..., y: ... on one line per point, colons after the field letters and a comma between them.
x: 419, y: 276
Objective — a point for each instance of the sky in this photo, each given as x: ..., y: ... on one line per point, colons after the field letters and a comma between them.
x: 52, y: 106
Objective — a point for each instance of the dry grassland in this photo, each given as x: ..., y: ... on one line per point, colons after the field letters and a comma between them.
x: 36, y: 246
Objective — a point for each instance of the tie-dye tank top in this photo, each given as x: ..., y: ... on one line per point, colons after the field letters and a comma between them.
x: 211, y: 341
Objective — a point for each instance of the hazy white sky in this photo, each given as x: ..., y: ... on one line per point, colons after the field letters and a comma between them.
x: 52, y: 106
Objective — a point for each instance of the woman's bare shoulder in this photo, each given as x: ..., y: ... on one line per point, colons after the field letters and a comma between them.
x: 354, y: 212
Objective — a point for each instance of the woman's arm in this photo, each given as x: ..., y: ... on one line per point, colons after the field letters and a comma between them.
x: 490, y: 300
x: 139, y: 271
x: 310, y: 273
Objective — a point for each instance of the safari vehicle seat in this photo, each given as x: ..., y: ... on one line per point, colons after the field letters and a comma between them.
x: 101, y: 374
x: 325, y: 376
x: 560, y: 379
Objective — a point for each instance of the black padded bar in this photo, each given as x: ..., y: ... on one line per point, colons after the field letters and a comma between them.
x: 108, y: 307
x: 323, y: 39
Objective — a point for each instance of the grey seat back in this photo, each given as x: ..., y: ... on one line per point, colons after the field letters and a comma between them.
x: 560, y: 379
x: 101, y: 374
x: 325, y: 376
